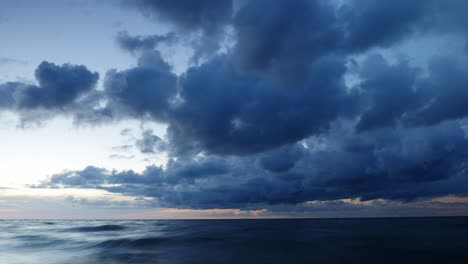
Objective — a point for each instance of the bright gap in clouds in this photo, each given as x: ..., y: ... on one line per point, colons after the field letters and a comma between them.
x: 31, y: 154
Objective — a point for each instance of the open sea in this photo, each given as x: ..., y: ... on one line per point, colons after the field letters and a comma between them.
x: 378, y: 240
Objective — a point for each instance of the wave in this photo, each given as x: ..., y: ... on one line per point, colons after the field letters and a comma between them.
x: 101, y: 228
x: 38, y: 241
x: 31, y: 237
x: 131, y: 242
x: 411, y: 240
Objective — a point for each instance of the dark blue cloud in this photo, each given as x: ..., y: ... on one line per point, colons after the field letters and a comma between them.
x: 145, y: 90
x: 400, y: 164
x: 282, y: 38
x: 279, y: 39
x: 370, y: 24
x: 90, y: 176
x: 445, y: 90
x: 271, y: 121
x: 143, y: 43
x: 190, y: 170
x: 283, y: 80
x: 403, y: 165
x: 282, y: 159
x: 389, y: 90
x: 202, y: 21
x: 207, y: 15
x: 402, y: 94
x: 227, y: 112
x: 378, y: 24
x: 58, y: 87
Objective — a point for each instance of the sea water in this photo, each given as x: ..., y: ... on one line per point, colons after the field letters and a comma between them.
x: 380, y: 240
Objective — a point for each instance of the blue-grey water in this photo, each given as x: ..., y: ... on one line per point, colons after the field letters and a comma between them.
x: 385, y: 240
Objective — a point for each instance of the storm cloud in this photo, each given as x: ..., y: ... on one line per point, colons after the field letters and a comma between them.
x: 402, y: 165
x: 206, y: 15
x: 58, y: 86
x: 310, y: 102
x: 144, y: 90
x: 203, y: 22
x: 224, y: 111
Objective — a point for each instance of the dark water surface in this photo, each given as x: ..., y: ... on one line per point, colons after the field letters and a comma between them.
x: 385, y: 240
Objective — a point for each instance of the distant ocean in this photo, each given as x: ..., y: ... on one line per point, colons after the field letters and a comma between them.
x: 360, y: 241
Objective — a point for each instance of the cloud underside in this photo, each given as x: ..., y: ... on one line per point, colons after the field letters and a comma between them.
x: 272, y: 120
x: 403, y: 164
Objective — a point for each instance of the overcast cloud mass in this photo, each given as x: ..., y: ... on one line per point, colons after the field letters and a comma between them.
x: 283, y: 104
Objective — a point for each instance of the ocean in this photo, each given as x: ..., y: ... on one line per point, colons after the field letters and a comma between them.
x: 360, y: 241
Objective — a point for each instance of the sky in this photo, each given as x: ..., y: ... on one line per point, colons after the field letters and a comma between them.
x: 233, y: 108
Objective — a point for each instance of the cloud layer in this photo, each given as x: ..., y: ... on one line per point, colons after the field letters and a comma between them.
x: 274, y: 119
